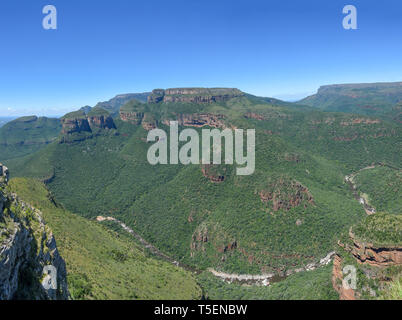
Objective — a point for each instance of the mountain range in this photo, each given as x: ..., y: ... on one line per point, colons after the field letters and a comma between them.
x: 327, y: 181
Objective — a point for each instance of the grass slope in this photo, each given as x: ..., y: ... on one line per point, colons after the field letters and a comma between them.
x: 26, y: 135
x: 100, y: 263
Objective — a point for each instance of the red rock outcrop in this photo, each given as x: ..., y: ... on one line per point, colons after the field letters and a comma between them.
x: 211, y: 172
x: 360, y: 121
x: 253, y: 115
x: 286, y: 195
x: 199, y: 120
x: 374, y: 255
x: 101, y: 122
x: 132, y: 117
x: 71, y: 125
x: 337, y: 278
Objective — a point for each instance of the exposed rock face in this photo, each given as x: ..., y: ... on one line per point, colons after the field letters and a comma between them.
x: 139, y: 118
x: 148, y: 122
x: 26, y: 246
x: 253, y: 115
x: 3, y: 174
x: 373, y: 262
x: 101, y: 122
x: 285, y: 195
x: 80, y: 122
x: 360, y: 121
x: 194, y: 95
x: 337, y: 278
x: 199, y: 120
x: 213, y: 173
x: 132, y: 117
x: 71, y: 125
x: 373, y: 255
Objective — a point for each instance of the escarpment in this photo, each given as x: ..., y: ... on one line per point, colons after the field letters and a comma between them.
x: 199, y: 120
x: 27, y: 246
x: 194, y: 95
x: 79, y: 122
x: 374, y: 249
x: 366, y: 252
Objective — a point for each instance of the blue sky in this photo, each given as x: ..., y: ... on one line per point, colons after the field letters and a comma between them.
x: 283, y: 48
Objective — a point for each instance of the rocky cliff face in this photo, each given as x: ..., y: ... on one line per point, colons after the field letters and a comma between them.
x: 72, y: 125
x: 374, y: 255
x: 286, y: 194
x: 194, y: 95
x: 80, y: 123
x: 376, y: 265
x: 132, y: 116
x: 199, y: 120
x: 337, y: 278
x: 27, y: 245
x: 101, y: 122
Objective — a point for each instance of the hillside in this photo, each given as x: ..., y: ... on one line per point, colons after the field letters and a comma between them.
x: 363, y: 98
x: 102, y: 264
x: 4, y: 120
x: 27, y: 246
x: 26, y: 135
x: 382, y: 188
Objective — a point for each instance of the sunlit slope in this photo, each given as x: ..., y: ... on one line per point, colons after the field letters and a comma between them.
x: 102, y: 264
x: 26, y: 135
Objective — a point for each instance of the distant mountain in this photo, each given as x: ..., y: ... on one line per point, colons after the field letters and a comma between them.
x: 362, y: 98
x: 114, y: 104
x: 26, y: 135
x: 4, y: 120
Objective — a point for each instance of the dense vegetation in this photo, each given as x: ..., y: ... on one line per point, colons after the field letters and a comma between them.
x: 102, y: 264
x: 383, y: 188
x: 309, y: 285
x: 381, y: 229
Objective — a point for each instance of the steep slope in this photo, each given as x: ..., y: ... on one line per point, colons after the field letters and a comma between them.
x: 27, y: 245
x: 374, y: 249
x: 363, y: 98
x: 101, y: 263
x: 26, y: 135
x: 78, y: 125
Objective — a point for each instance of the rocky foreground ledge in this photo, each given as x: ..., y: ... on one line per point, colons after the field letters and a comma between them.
x: 27, y: 245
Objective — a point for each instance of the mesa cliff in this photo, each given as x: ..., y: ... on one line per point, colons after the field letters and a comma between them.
x: 27, y: 245
x: 79, y: 122
x: 194, y: 95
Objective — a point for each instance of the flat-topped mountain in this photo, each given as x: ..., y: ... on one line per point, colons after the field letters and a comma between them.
x: 363, y: 98
x: 194, y: 95
x: 79, y: 123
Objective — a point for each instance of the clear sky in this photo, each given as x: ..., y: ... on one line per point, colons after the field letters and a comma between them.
x: 285, y: 48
